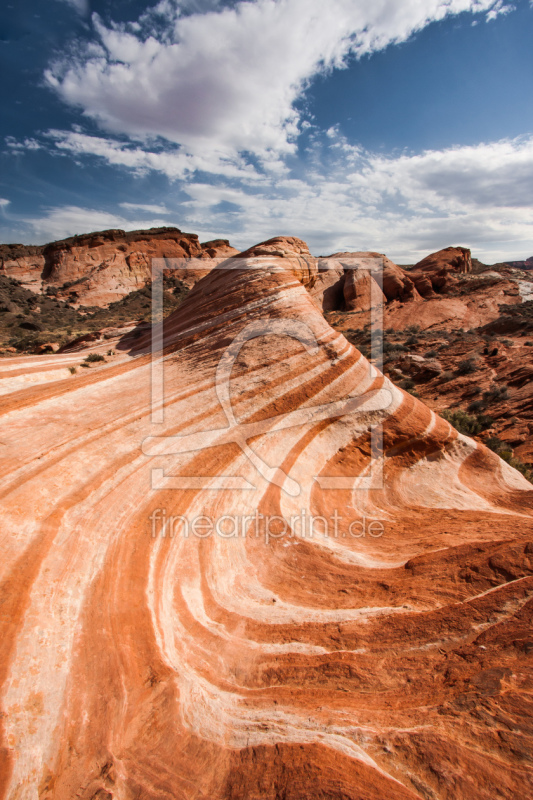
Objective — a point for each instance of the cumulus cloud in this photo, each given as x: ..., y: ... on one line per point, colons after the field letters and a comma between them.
x: 4, y: 202
x: 499, y: 9
x: 227, y: 79
x: 340, y: 196
x: 152, y: 209
x: 204, y: 92
x: 63, y: 221
x: 82, y: 6
x: 349, y: 199
x: 174, y: 163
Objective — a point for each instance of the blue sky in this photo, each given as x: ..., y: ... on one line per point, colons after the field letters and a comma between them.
x: 400, y: 126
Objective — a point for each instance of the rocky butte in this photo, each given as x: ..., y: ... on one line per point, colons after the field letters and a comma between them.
x: 175, y: 621
x: 96, y: 269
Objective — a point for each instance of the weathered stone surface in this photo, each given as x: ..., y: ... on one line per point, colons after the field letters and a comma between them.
x: 97, y: 269
x: 361, y: 292
x: 391, y: 662
x: 451, y: 259
x: 24, y: 263
x: 328, y: 288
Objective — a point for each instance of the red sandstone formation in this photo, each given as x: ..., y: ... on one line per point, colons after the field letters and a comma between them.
x: 97, y: 269
x: 25, y: 263
x: 451, y: 259
x: 440, y: 291
x: 526, y: 264
x: 390, y: 662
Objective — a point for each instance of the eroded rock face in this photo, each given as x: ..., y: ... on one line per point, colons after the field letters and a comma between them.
x: 388, y: 659
x: 295, y: 253
x: 442, y: 291
x: 437, y: 272
x: 361, y: 291
x: 97, y: 269
x: 451, y: 259
x: 24, y: 263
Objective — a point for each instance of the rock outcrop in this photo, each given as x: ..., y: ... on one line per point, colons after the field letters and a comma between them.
x: 526, y: 264
x: 243, y: 593
x: 97, y: 269
x: 440, y: 291
x: 24, y: 263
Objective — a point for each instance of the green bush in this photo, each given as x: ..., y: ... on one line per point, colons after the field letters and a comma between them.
x: 430, y: 354
x: 466, y: 367
x: 495, y: 394
x: 465, y: 423
x: 407, y: 384
x: 447, y: 375
x: 92, y: 358
x: 394, y: 347
x: 505, y: 451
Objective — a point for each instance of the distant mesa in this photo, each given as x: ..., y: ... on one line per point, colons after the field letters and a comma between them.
x: 527, y: 264
x: 97, y: 269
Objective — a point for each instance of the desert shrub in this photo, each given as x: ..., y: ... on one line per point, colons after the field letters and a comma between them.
x: 466, y: 423
x: 495, y: 394
x: 411, y: 340
x: 413, y: 329
x: 83, y: 364
x: 529, y: 344
x: 496, y: 444
x: 430, y: 354
x: 507, y: 342
x: 467, y: 366
x: 447, y: 375
x: 72, y: 370
x: 406, y: 384
x: 476, y: 405
x: 494, y: 351
x: 462, y: 421
x: 92, y: 358
x: 505, y: 451
x: 394, y: 347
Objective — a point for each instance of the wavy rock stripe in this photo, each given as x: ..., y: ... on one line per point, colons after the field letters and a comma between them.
x: 273, y: 664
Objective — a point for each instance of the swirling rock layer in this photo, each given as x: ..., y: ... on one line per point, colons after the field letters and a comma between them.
x: 274, y: 664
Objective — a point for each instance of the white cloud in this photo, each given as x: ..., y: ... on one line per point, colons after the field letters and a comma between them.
x: 152, y: 209
x: 344, y: 197
x: 60, y: 222
x: 26, y: 144
x: 208, y: 100
x: 4, y: 202
x: 175, y: 163
x: 499, y: 9
x: 82, y: 6
x: 227, y: 80
x: 405, y: 206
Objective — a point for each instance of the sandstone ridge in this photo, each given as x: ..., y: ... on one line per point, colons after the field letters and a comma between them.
x: 139, y: 662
